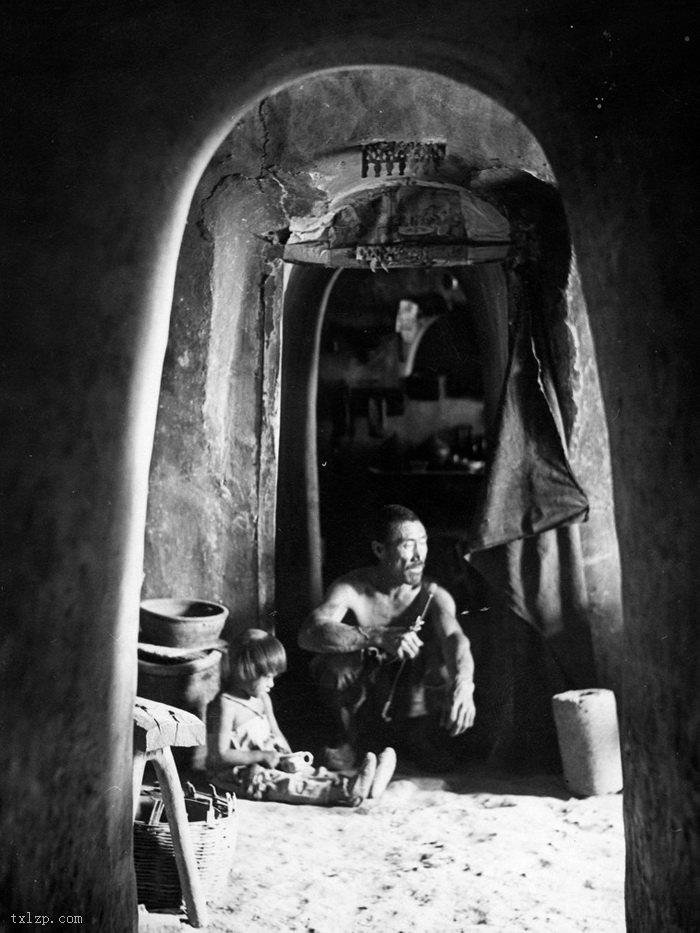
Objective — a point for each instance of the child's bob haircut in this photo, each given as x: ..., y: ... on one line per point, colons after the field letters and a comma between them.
x: 254, y: 654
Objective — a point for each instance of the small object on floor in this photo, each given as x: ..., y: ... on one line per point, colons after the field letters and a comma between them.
x: 362, y: 783
x: 296, y: 762
x: 386, y: 765
x: 342, y: 758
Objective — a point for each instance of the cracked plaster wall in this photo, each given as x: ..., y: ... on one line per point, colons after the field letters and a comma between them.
x: 212, y: 476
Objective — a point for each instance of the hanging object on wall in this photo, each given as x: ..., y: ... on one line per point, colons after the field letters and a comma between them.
x: 400, y: 155
x: 410, y: 325
x: 404, y: 224
x: 530, y: 486
x: 407, y: 321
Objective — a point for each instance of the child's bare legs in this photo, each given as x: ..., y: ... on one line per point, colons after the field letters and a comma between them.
x: 312, y: 787
x: 309, y: 785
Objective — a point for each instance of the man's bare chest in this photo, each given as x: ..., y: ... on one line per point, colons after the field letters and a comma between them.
x: 377, y: 610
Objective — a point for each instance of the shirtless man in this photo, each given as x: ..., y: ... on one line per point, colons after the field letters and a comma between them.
x: 367, y: 652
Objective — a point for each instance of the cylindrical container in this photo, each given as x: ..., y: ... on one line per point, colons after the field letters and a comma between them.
x: 181, y: 623
x: 190, y: 685
x: 589, y: 741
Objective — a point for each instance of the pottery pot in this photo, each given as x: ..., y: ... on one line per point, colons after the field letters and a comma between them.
x: 181, y: 623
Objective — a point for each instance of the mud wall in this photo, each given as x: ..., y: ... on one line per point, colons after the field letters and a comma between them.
x: 210, y: 529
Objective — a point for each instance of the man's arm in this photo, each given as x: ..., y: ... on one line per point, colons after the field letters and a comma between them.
x: 325, y: 630
x: 459, y: 713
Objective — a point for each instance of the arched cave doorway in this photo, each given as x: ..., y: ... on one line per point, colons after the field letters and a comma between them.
x: 236, y: 513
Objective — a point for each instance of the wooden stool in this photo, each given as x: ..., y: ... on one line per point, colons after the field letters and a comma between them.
x: 157, y: 727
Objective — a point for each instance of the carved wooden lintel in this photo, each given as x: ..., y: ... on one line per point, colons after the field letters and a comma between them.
x: 400, y: 154
x: 405, y: 255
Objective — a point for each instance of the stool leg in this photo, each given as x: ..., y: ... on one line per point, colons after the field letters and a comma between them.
x: 174, y: 801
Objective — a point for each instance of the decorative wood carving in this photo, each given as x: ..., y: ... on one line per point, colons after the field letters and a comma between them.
x: 400, y: 154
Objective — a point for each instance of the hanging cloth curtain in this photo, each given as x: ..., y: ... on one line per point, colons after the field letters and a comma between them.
x: 530, y: 487
x: 524, y: 539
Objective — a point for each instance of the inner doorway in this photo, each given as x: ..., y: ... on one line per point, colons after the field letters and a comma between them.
x: 400, y: 413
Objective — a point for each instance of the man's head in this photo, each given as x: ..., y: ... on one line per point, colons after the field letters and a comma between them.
x: 400, y: 544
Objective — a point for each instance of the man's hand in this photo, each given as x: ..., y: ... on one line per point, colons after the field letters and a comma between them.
x: 401, y: 643
x: 459, y: 712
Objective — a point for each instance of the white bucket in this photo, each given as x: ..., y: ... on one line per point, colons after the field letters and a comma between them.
x: 589, y: 741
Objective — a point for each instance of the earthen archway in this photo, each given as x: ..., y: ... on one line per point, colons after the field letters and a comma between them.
x: 211, y: 515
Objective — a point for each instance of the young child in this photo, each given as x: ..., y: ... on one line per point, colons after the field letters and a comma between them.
x: 247, y: 752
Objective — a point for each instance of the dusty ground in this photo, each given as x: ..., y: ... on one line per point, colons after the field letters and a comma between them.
x: 454, y: 854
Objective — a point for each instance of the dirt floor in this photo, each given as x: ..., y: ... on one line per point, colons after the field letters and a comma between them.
x: 475, y: 851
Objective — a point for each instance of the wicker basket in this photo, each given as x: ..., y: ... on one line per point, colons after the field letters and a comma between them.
x: 213, y: 824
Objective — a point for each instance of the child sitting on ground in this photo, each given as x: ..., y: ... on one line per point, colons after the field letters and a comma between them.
x: 247, y: 752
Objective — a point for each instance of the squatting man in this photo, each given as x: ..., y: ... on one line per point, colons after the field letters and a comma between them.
x: 391, y: 659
